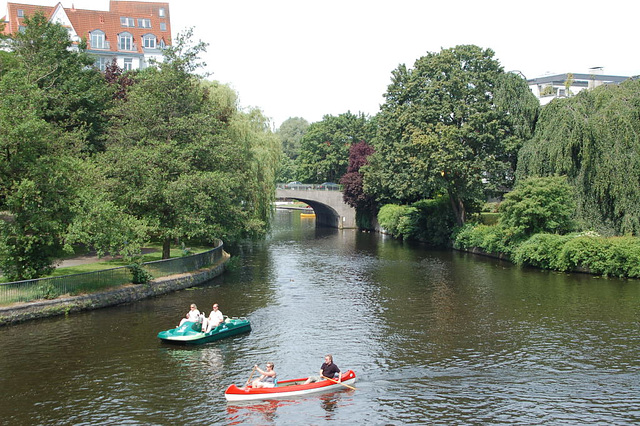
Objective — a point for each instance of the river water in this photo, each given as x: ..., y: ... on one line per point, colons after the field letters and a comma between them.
x: 435, y: 337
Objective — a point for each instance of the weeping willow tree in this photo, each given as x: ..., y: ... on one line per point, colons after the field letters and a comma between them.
x: 594, y: 139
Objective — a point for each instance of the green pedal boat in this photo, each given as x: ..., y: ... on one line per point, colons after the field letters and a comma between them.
x: 190, y: 333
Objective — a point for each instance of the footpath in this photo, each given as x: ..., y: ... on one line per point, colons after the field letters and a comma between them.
x: 66, y: 305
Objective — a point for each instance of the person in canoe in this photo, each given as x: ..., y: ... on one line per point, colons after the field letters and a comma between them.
x: 328, y: 370
x: 267, y: 378
x: 193, y: 315
x: 214, y: 319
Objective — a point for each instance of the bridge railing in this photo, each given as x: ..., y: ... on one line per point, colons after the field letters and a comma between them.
x: 309, y: 186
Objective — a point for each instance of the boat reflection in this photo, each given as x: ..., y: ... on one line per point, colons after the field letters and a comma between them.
x: 264, y: 412
x: 255, y: 412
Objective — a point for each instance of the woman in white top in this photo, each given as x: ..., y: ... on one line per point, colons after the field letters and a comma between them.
x: 215, y: 318
x: 193, y: 315
x: 267, y: 379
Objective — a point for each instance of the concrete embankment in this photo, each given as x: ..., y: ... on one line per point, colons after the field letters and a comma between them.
x: 130, y: 293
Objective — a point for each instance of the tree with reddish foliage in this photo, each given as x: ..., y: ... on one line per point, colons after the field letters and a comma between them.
x: 353, y: 193
x: 115, y: 76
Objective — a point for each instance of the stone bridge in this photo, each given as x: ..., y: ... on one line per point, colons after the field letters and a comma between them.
x: 326, y: 203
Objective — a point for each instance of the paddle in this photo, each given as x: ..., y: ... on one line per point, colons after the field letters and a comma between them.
x: 250, y: 376
x: 340, y: 383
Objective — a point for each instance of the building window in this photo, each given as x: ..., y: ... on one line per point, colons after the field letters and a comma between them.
x: 161, y: 12
x: 97, y: 39
x: 102, y: 62
x: 149, y: 41
x: 20, y: 13
x: 162, y: 44
x: 127, y: 22
x: 163, y: 26
x: 144, y: 23
x: 125, y: 41
x: 128, y: 64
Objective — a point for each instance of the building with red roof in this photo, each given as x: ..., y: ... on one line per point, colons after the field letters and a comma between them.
x: 131, y: 32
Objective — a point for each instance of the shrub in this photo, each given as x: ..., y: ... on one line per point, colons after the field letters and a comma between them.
x: 397, y: 220
x: 434, y: 221
x: 615, y: 256
x: 538, y: 205
x: 139, y: 275
x: 542, y: 251
x: 491, y: 239
x: 47, y: 290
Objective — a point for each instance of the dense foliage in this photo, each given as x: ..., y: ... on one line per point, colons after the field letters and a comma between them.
x: 113, y: 160
x: 325, y: 146
x: 538, y: 205
x: 290, y: 134
x: 534, y: 229
x: 352, y: 190
x: 397, y: 220
x: 594, y: 139
x: 51, y: 116
x: 613, y: 256
x: 428, y: 221
x: 451, y: 125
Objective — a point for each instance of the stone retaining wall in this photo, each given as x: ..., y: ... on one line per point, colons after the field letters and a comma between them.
x: 127, y: 294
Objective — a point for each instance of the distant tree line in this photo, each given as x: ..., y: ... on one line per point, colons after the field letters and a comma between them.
x: 112, y: 160
x: 456, y: 131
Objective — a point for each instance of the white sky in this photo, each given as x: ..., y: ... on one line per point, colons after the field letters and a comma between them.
x: 308, y: 58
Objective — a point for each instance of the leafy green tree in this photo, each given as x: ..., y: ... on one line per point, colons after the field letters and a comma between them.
x: 538, y: 205
x: 43, y: 138
x: 451, y: 125
x: 325, y: 147
x: 75, y: 93
x: 290, y: 134
x: 185, y: 160
x: 594, y: 139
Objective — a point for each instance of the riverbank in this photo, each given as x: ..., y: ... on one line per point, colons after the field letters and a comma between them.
x: 21, y: 312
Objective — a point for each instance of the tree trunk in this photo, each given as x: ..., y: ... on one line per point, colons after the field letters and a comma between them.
x: 458, y: 209
x: 166, y: 248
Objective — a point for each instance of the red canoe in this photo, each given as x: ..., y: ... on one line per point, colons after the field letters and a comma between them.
x: 289, y: 388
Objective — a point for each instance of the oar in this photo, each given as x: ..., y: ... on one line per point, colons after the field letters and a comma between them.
x: 340, y: 383
x: 250, y: 376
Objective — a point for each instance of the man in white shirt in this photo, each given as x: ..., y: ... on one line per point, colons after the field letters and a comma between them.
x: 215, y: 318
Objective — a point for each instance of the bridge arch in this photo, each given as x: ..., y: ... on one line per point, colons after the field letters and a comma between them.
x: 329, y: 207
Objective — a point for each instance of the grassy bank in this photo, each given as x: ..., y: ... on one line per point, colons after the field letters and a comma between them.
x: 91, y: 263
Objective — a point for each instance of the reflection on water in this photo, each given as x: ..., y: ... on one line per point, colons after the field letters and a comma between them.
x: 267, y: 412
x: 434, y: 337
x: 262, y: 412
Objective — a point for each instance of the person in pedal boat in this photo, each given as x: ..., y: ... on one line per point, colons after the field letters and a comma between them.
x: 214, y: 319
x: 328, y: 370
x: 192, y: 315
x: 268, y: 378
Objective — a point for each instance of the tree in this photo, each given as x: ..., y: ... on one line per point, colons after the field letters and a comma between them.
x: 74, y: 91
x: 325, y: 148
x: 45, y: 131
x: 184, y: 159
x: 290, y: 133
x: 451, y: 125
x: 593, y: 139
x: 353, y: 192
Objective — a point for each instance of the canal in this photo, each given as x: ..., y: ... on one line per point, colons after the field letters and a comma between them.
x: 434, y: 337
